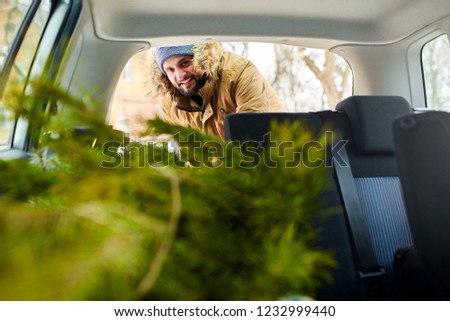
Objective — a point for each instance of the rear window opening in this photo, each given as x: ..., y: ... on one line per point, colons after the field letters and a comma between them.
x: 305, y: 80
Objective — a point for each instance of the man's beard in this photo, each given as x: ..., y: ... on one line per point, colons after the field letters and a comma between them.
x: 200, y: 82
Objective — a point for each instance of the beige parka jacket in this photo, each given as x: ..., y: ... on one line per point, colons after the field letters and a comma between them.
x: 233, y: 85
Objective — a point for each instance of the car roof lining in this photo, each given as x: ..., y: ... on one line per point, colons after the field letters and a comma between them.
x: 328, y: 23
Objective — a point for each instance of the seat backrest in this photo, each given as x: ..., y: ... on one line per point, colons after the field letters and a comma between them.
x: 254, y: 126
x: 422, y: 143
x: 365, y: 122
x: 335, y: 234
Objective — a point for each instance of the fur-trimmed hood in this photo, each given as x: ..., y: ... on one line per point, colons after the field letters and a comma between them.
x: 206, y: 60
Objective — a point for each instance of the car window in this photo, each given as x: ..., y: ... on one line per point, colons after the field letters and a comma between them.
x: 305, y: 80
x: 22, y: 23
x: 11, y: 15
x: 436, y: 70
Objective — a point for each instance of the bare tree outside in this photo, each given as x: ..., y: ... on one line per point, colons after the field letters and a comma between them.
x: 240, y: 48
x: 333, y: 74
x: 286, y: 80
x: 305, y: 79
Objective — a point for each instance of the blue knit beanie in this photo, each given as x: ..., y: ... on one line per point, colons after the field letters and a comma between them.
x: 163, y: 53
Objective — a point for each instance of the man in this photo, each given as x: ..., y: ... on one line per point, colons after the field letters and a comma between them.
x: 199, y: 85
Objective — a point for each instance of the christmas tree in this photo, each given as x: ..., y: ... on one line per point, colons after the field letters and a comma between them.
x: 92, y: 216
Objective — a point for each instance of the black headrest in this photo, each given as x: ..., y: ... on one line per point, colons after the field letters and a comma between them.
x: 371, y: 119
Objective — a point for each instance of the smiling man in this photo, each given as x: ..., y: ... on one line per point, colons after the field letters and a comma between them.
x: 199, y: 85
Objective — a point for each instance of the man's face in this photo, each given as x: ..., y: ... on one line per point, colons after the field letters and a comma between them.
x: 180, y: 71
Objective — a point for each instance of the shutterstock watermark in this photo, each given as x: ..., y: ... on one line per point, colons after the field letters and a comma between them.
x: 213, y: 153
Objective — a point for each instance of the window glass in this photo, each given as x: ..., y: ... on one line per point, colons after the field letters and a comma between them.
x: 436, y: 69
x: 12, y: 14
x: 304, y: 79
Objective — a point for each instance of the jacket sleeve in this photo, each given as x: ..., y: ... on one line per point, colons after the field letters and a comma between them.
x: 252, y: 92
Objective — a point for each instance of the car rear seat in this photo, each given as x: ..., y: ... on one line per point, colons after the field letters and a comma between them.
x: 365, y: 122
x: 335, y: 236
